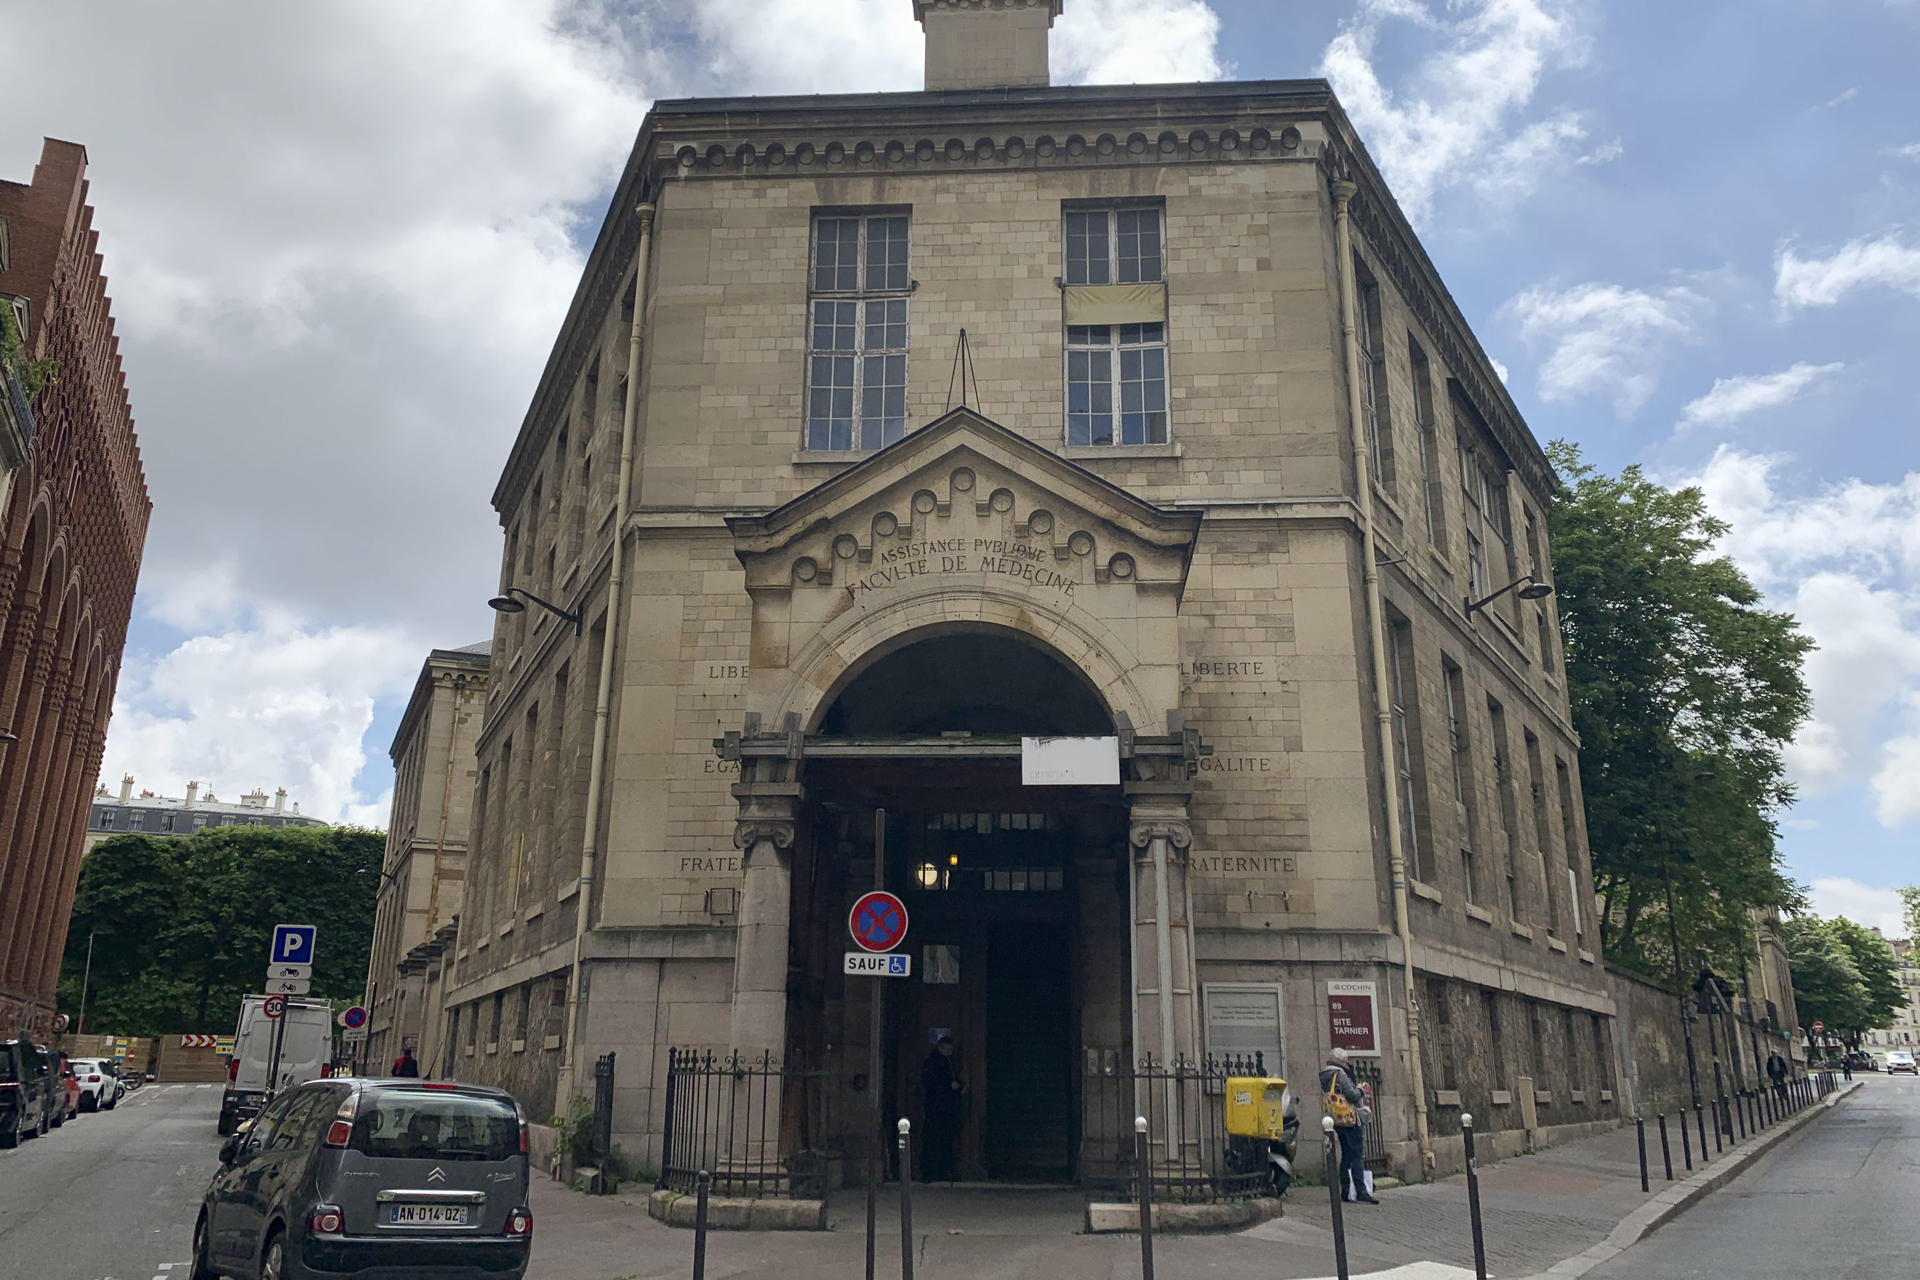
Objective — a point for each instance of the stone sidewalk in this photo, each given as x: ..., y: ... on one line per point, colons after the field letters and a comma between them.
x: 1560, y: 1211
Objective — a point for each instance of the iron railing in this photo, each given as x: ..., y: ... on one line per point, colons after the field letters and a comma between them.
x: 1366, y: 1074
x: 1191, y: 1156
x: 758, y: 1125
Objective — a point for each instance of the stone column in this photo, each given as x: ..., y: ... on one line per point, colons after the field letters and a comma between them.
x: 1164, y: 977
x: 764, y: 834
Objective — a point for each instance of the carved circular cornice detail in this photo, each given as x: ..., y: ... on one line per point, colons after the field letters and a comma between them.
x: 1117, y: 145
x: 1175, y: 832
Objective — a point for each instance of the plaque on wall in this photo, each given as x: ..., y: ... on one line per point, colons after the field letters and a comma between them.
x: 1352, y: 1019
x: 1243, y: 1018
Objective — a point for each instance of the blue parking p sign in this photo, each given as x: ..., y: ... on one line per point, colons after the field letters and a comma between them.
x: 292, y: 944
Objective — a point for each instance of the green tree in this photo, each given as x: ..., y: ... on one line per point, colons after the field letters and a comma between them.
x: 181, y: 927
x: 1910, y: 899
x: 1684, y: 693
x: 1881, y: 994
x: 1827, y: 985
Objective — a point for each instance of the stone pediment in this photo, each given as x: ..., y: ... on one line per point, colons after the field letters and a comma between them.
x: 964, y: 501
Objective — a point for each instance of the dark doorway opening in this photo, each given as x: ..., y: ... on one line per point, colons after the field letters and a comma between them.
x: 1030, y: 1084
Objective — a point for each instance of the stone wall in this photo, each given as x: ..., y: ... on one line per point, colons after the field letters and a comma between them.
x: 1653, y: 1054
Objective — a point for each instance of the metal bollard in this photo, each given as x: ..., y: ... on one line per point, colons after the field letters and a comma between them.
x: 1666, y: 1152
x: 1144, y: 1165
x: 1640, y: 1132
x: 1686, y: 1141
x: 702, y: 1182
x: 1700, y: 1118
x: 1473, y: 1201
x: 906, y: 1199
x: 1334, y: 1196
x: 1717, y: 1148
x: 1740, y: 1109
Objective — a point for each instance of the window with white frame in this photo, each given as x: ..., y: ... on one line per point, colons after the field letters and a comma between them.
x: 1116, y: 373
x: 857, y: 331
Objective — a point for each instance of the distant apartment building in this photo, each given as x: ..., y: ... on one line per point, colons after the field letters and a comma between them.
x: 420, y: 885
x: 1904, y: 1031
x: 73, y: 526
x: 156, y: 815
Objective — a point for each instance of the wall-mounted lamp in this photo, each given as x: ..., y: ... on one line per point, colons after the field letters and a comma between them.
x: 1530, y: 588
x: 506, y: 603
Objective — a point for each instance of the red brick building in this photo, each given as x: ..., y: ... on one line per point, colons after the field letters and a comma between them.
x: 71, y: 536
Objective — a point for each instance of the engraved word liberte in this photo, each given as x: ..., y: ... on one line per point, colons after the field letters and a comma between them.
x: 962, y: 555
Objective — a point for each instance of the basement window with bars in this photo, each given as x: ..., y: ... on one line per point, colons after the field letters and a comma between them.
x: 1114, y: 273
x: 857, y: 331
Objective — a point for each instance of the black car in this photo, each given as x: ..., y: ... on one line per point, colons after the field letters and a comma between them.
x: 30, y: 1091
x: 381, y: 1178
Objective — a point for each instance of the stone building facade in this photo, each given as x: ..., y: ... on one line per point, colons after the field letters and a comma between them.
x: 112, y: 814
x: 1217, y: 479
x: 71, y: 536
x: 417, y: 912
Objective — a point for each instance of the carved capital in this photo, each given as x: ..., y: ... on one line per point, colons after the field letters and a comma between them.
x: 766, y: 819
x: 1146, y: 828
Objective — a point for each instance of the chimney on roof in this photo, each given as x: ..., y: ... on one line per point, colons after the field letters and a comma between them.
x: 126, y: 788
x: 193, y: 793
x: 986, y: 44
x: 279, y: 799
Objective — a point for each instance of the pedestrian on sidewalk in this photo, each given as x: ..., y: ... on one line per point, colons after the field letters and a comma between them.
x: 943, y: 1098
x: 405, y: 1067
x: 1846, y: 1065
x: 1777, y: 1072
x: 1348, y: 1107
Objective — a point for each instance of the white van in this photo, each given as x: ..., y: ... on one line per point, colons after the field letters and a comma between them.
x: 306, y: 1050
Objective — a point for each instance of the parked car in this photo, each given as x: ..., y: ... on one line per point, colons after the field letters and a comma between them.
x: 28, y: 1084
x: 389, y: 1177
x: 1901, y: 1060
x: 69, y: 1090
x: 100, y: 1083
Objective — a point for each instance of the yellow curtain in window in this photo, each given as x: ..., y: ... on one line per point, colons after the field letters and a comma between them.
x: 1116, y: 303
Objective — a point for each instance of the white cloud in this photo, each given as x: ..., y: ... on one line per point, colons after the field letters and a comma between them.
x: 1896, y: 783
x: 1136, y: 42
x: 1457, y: 116
x: 840, y: 46
x: 340, y: 240
x: 1838, y: 99
x: 1844, y: 559
x: 1731, y: 399
x: 1884, y: 261
x: 1500, y: 369
x: 1603, y: 339
x: 1909, y: 152
x: 1860, y: 903
x: 274, y: 706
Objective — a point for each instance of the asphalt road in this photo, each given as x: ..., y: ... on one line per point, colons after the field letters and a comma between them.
x: 112, y: 1195
x: 1835, y: 1202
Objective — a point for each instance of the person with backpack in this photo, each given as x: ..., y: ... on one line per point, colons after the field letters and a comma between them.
x: 1348, y: 1107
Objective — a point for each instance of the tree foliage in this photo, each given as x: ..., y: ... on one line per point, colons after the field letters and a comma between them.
x: 1910, y: 903
x: 1684, y: 692
x: 182, y: 926
x: 1844, y: 975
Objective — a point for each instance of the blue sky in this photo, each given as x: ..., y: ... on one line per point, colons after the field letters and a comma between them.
x: 341, y: 239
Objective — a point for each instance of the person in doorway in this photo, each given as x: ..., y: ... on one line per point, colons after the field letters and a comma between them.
x: 1777, y: 1072
x: 1348, y: 1107
x: 405, y: 1066
x: 942, y: 1097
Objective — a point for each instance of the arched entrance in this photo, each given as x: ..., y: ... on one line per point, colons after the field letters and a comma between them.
x: 1017, y: 894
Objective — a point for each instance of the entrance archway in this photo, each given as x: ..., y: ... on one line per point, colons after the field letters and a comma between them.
x: 1017, y: 895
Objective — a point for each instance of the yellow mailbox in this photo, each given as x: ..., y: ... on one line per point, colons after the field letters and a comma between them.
x: 1256, y: 1106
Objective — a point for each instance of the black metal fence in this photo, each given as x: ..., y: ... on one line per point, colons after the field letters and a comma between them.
x: 1191, y: 1155
x: 1366, y: 1074
x: 757, y: 1124
x: 602, y: 1108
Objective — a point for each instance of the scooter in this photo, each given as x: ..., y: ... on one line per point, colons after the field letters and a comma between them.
x: 1274, y: 1154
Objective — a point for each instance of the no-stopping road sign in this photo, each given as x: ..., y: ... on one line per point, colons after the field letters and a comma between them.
x: 878, y: 921
x: 353, y: 1018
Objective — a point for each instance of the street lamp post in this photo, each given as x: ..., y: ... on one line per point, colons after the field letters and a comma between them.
x: 86, y: 979
x: 1529, y: 588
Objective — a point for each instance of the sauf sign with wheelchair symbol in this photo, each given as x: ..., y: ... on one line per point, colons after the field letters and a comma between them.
x: 878, y: 924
